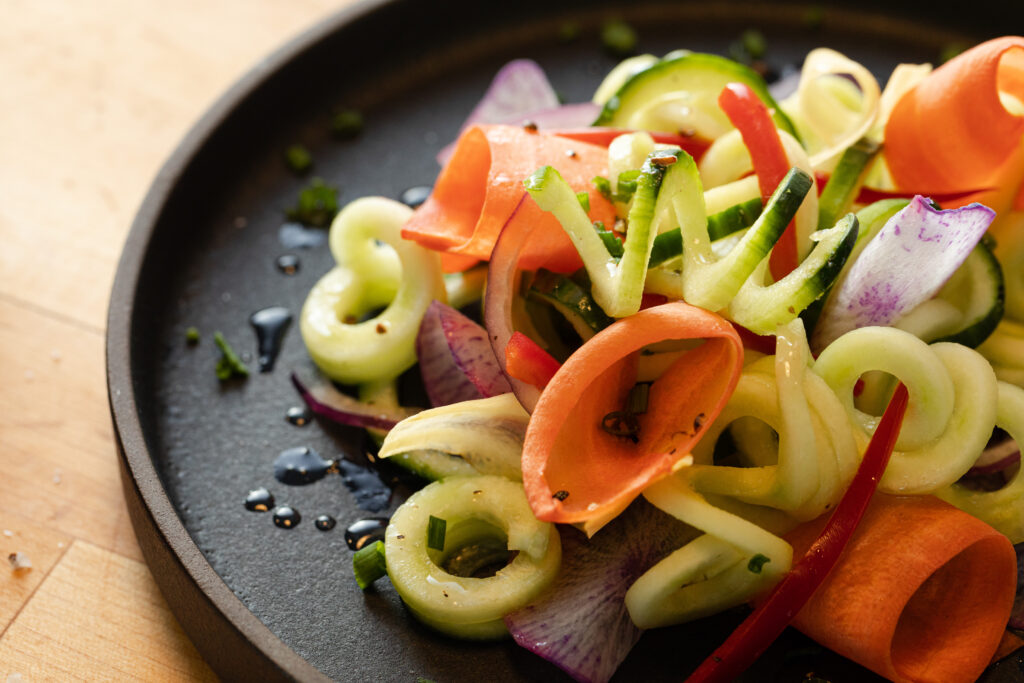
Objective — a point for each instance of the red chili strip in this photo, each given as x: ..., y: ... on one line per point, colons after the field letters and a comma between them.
x: 528, y: 362
x: 771, y: 617
x: 751, y: 118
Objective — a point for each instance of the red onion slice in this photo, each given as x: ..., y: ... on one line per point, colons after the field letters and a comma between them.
x: 500, y: 297
x: 997, y: 458
x: 520, y: 88
x: 907, y: 263
x: 581, y: 623
x: 329, y: 403
x: 456, y: 361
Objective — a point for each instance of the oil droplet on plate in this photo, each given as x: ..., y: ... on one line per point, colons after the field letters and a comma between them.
x: 325, y: 522
x: 365, y: 531
x: 298, y: 416
x: 270, y: 325
x: 259, y: 500
x: 415, y: 196
x: 288, y: 264
x: 286, y: 517
x: 301, y: 465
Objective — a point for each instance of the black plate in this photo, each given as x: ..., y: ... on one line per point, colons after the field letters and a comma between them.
x: 262, y: 602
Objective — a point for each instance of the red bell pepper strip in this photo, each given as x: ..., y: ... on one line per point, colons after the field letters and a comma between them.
x: 870, y: 195
x: 771, y: 617
x: 603, y: 137
x: 747, y: 112
x: 528, y: 362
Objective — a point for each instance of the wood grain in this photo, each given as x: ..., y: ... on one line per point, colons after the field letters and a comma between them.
x: 95, y: 96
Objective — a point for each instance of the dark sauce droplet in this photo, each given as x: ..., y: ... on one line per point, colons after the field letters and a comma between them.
x: 259, y: 500
x: 370, y: 492
x: 415, y: 196
x: 365, y: 531
x: 288, y: 264
x: 270, y: 325
x: 300, y: 466
x: 286, y: 517
x: 298, y: 416
x: 325, y: 522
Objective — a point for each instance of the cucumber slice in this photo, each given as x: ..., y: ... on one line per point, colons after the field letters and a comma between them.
x: 669, y: 245
x: 688, y: 83
x: 841, y: 189
x: 762, y: 309
x: 711, y: 283
x: 478, y: 511
x: 977, y: 290
x: 484, y: 436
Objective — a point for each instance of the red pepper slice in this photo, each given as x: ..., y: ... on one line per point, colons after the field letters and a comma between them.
x: 602, y: 136
x: 528, y: 362
x: 764, y: 625
x: 747, y: 112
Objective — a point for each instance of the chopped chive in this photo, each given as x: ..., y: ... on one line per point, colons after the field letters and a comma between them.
x: 757, y: 562
x: 346, y: 124
x: 369, y: 564
x: 229, y: 364
x: 603, y: 186
x: 298, y: 158
x: 435, y: 533
x: 612, y: 242
x: 636, y: 402
x: 192, y: 336
x: 317, y: 205
x: 584, y: 200
x: 618, y: 38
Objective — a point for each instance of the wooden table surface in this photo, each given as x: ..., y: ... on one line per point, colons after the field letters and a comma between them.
x: 94, y: 96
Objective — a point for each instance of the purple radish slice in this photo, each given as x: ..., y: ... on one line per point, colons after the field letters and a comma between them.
x: 581, y: 624
x: 327, y: 402
x: 907, y: 263
x: 456, y: 360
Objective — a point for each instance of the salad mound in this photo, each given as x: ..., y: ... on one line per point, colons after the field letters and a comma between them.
x: 756, y: 352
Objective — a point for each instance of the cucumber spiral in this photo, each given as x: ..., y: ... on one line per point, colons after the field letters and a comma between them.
x: 375, y: 268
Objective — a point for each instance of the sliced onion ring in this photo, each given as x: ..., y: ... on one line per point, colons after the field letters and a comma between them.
x: 498, y: 301
x: 456, y: 361
x: 325, y: 401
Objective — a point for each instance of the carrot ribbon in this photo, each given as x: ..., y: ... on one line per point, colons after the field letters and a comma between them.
x: 574, y: 470
x: 955, y: 131
x: 481, y: 186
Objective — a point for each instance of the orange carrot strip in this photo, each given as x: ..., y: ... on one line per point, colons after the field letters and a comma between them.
x: 923, y: 591
x: 574, y: 470
x: 481, y: 185
x: 951, y: 133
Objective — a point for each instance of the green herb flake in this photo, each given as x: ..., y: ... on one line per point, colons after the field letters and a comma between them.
x: 618, y: 38
x: 757, y: 562
x: 317, y: 205
x: 951, y: 50
x: 346, y: 124
x: 754, y: 43
x: 568, y: 32
x: 192, y: 336
x: 229, y: 365
x: 298, y: 158
x: 636, y: 402
x: 584, y: 200
x: 435, y: 533
x: 369, y: 564
x: 813, y: 17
